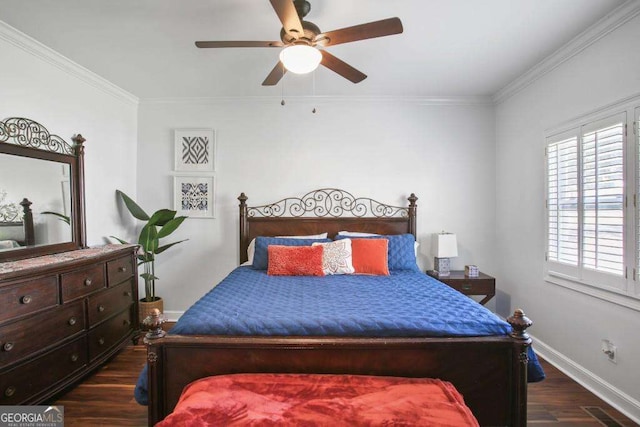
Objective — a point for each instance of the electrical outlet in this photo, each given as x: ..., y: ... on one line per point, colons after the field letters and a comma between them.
x: 613, y: 357
x: 610, y: 350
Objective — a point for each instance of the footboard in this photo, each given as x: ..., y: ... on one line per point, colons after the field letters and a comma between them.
x: 490, y: 372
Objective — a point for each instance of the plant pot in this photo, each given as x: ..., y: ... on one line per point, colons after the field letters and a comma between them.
x: 146, y: 307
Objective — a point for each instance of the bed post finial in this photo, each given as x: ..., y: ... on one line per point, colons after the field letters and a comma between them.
x: 412, y: 214
x: 519, y: 324
x: 27, y: 221
x: 244, y: 240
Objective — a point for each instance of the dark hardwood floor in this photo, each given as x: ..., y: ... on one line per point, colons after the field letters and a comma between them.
x: 106, y: 398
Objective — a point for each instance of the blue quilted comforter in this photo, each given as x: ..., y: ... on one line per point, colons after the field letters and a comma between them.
x: 250, y: 302
x: 404, y: 304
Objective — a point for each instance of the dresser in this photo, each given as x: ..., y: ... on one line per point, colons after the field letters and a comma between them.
x: 61, y: 316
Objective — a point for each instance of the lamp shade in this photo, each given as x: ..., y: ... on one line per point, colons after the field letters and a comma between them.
x: 445, y: 245
x: 300, y: 59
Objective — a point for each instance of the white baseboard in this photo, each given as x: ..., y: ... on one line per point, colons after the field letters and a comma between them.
x: 596, y: 385
x: 172, y: 316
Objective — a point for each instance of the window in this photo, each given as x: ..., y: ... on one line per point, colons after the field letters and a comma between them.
x: 562, y: 200
x: 587, y: 213
x: 603, y: 199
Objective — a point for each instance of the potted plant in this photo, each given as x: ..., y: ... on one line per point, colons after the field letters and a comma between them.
x: 162, y: 223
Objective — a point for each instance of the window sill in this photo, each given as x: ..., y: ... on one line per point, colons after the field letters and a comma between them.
x: 619, y: 298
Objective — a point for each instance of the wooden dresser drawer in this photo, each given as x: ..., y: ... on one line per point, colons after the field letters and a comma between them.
x: 21, y: 338
x: 23, y: 382
x: 106, y: 304
x: 82, y: 282
x: 109, y: 333
x: 27, y: 297
x: 119, y: 270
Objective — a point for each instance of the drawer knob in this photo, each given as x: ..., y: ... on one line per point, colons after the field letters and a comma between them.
x: 101, y: 341
x: 101, y: 308
x: 122, y: 269
x: 467, y: 286
x: 10, y: 391
x: 74, y: 357
x: 72, y: 321
x: 87, y: 281
x: 26, y: 299
x: 127, y: 293
x: 126, y: 322
x: 8, y: 346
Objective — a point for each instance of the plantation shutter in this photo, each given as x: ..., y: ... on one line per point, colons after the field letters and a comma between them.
x: 562, y: 200
x: 603, y: 196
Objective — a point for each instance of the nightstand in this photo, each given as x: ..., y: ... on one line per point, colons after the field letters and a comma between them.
x: 481, y: 285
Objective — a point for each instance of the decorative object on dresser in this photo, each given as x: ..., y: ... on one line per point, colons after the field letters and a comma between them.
x: 445, y: 246
x: 482, y: 284
x: 149, y: 241
x: 66, y: 308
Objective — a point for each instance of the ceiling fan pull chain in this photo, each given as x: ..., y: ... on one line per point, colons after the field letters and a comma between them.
x: 282, y: 88
x: 313, y: 78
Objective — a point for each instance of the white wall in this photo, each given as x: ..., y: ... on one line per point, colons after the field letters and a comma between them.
x: 568, y: 324
x: 380, y: 148
x: 39, y: 84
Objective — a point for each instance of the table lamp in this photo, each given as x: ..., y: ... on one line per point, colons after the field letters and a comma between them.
x: 445, y: 246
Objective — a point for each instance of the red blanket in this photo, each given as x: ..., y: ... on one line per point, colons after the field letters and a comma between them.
x: 313, y: 399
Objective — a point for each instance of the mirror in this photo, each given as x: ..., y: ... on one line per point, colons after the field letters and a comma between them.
x: 41, y: 191
x: 46, y: 185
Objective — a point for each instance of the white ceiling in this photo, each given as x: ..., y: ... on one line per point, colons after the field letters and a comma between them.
x: 448, y: 48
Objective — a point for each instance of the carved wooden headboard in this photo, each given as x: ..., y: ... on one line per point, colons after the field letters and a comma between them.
x: 325, y: 210
x: 18, y: 225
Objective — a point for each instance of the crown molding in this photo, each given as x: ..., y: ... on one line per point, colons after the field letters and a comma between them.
x: 32, y: 46
x: 323, y: 100
x: 604, y: 26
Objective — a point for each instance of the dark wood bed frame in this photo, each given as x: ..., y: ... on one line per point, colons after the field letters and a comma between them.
x: 26, y: 224
x: 490, y: 372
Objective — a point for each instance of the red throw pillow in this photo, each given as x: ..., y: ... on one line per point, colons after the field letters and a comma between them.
x: 370, y: 256
x: 295, y: 260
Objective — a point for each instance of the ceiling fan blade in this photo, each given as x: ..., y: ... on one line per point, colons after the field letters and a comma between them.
x: 239, y: 44
x: 286, y: 11
x: 386, y: 27
x: 275, y: 75
x: 338, y: 66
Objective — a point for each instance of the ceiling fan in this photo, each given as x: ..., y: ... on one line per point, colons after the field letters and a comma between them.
x: 301, y: 41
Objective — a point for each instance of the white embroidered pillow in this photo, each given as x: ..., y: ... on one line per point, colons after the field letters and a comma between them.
x: 337, y: 257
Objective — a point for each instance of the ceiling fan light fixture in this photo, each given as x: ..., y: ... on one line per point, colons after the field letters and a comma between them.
x: 300, y: 59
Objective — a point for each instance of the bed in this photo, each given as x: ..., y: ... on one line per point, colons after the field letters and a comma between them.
x: 16, y: 228
x: 488, y: 366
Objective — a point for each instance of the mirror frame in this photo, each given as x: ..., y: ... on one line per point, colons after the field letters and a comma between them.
x: 27, y: 138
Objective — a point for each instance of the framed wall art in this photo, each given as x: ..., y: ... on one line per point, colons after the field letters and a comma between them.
x: 194, y: 150
x: 194, y: 196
